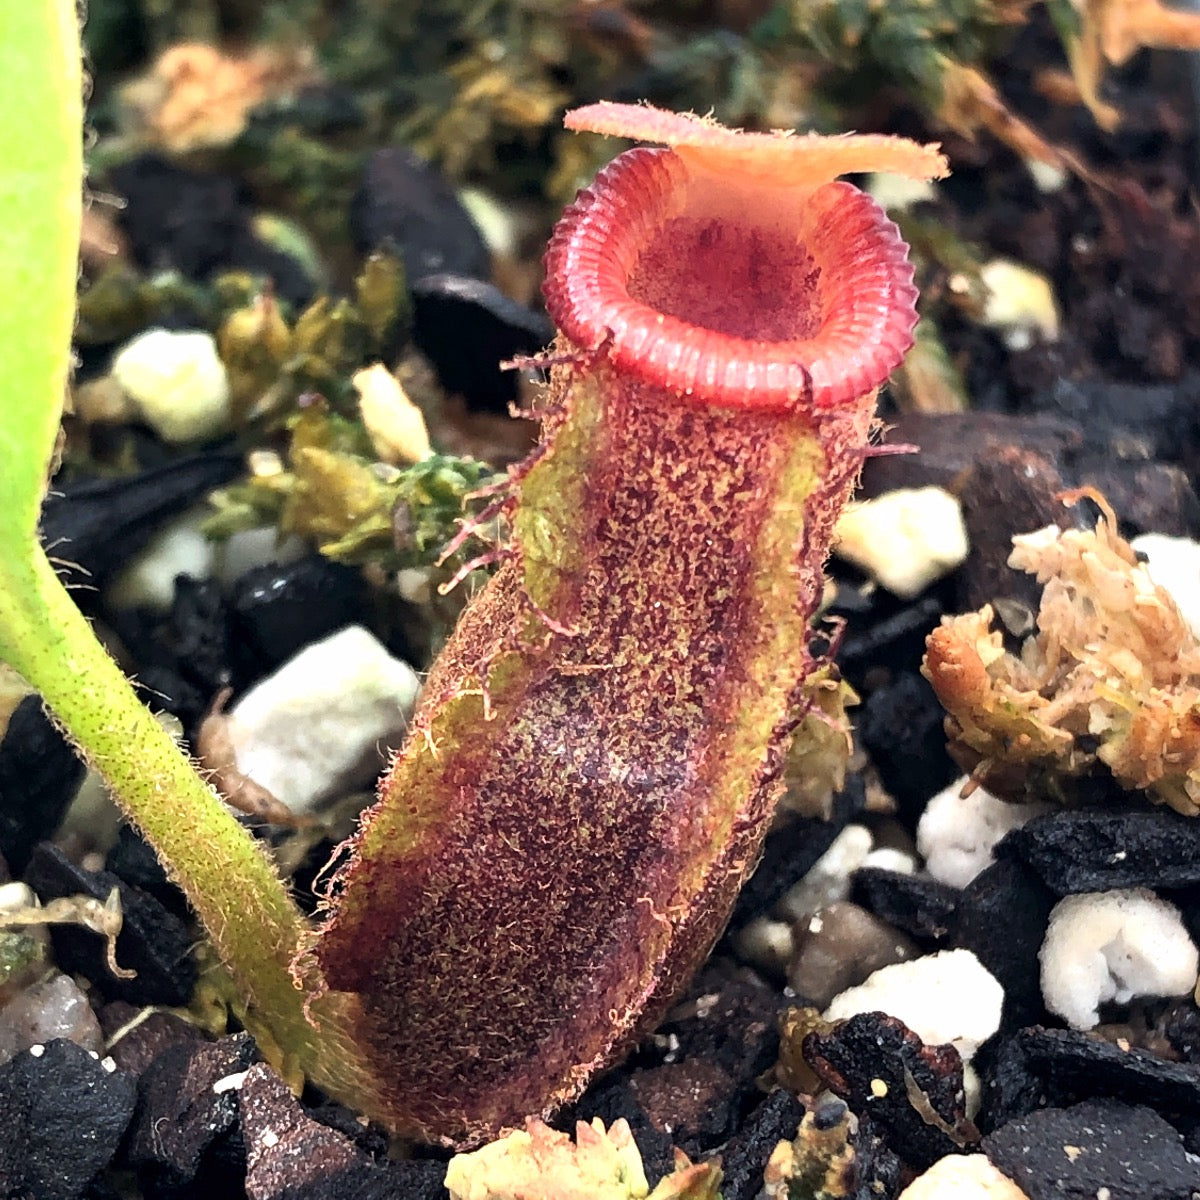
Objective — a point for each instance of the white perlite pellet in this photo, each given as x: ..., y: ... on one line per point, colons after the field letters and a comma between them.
x: 956, y: 834
x: 148, y: 580
x: 904, y: 539
x: 321, y: 725
x: 945, y: 997
x: 1103, y: 946
x: 177, y: 382
x: 963, y: 1177
x: 828, y: 879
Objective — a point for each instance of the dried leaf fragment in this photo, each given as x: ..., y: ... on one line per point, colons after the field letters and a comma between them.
x: 539, y: 1163
x: 1111, y: 677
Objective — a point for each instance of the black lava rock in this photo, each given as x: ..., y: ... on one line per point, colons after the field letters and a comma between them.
x: 405, y: 201
x: 1095, y: 850
x: 62, y: 1116
x: 153, y: 942
x: 612, y: 1098
x: 135, y: 1038
x: 1181, y: 1027
x: 1149, y: 497
x: 951, y: 443
x: 1037, y: 1066
x: 915, y: 904
x: 1098, y: 1148
x: 196, y: 632
x: 745, y: 1155
x: 186, y: 1137
x: 133, y: 859
x: 92, y: 528
x: 289, y: 1156
x: 878, y: 1169
x: 467, y: 328
x: 280, y: 608
x: 188, y: 654
x: 901, y: 727
x: 39, y: 775
x: 197, y: 224
x: 790, y: 852
x: 1129, y: 420
x: 734, y: 1026
x: 1002, y: 918
x: 1015, y: 490
x: 871, y: 1059
x: 891, y: 639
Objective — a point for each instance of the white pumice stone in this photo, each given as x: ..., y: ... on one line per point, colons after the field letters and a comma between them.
x: 149, y: 579
x: 963, y: 1177
x: 1103, y: 946
x: 321, y: 725
x: 250, y: 548
x: 1020, y: 303
x: 956, y: 835
x: 904, y: 539
x: 15, y: 896
x: 1174, y: 564
x: 888, y: 858
x: 177, y: 382
x: 945, y: 997
x: 828, y: 879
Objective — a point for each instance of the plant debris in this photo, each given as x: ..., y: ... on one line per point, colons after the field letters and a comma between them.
x: 1111, y: 679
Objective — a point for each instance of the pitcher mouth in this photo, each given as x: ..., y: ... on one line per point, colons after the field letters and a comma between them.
x: 809, y: 304
x: 732, y: 268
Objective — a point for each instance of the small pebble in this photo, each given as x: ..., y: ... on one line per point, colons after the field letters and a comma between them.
x: 177, y: 381
x: 320, y: 725
x: 252, y: 548
x: 888, y: 858
x: 829, y: 878
x: 766, y: 944
x: 1113, y: 946
x: 962, y: 1177
x: 53, y: 1008
x: 148, y: 581
x: 1174, y: 564
x: 948, y: 997
x: 1020, y: 303
x: 904, y: 539
x: 957, y: 834
x: 839, y: 947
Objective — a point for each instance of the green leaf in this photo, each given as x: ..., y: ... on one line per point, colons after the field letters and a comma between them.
x: 41, y: 143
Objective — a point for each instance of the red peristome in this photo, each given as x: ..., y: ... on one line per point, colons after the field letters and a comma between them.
x: 778, y: 300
